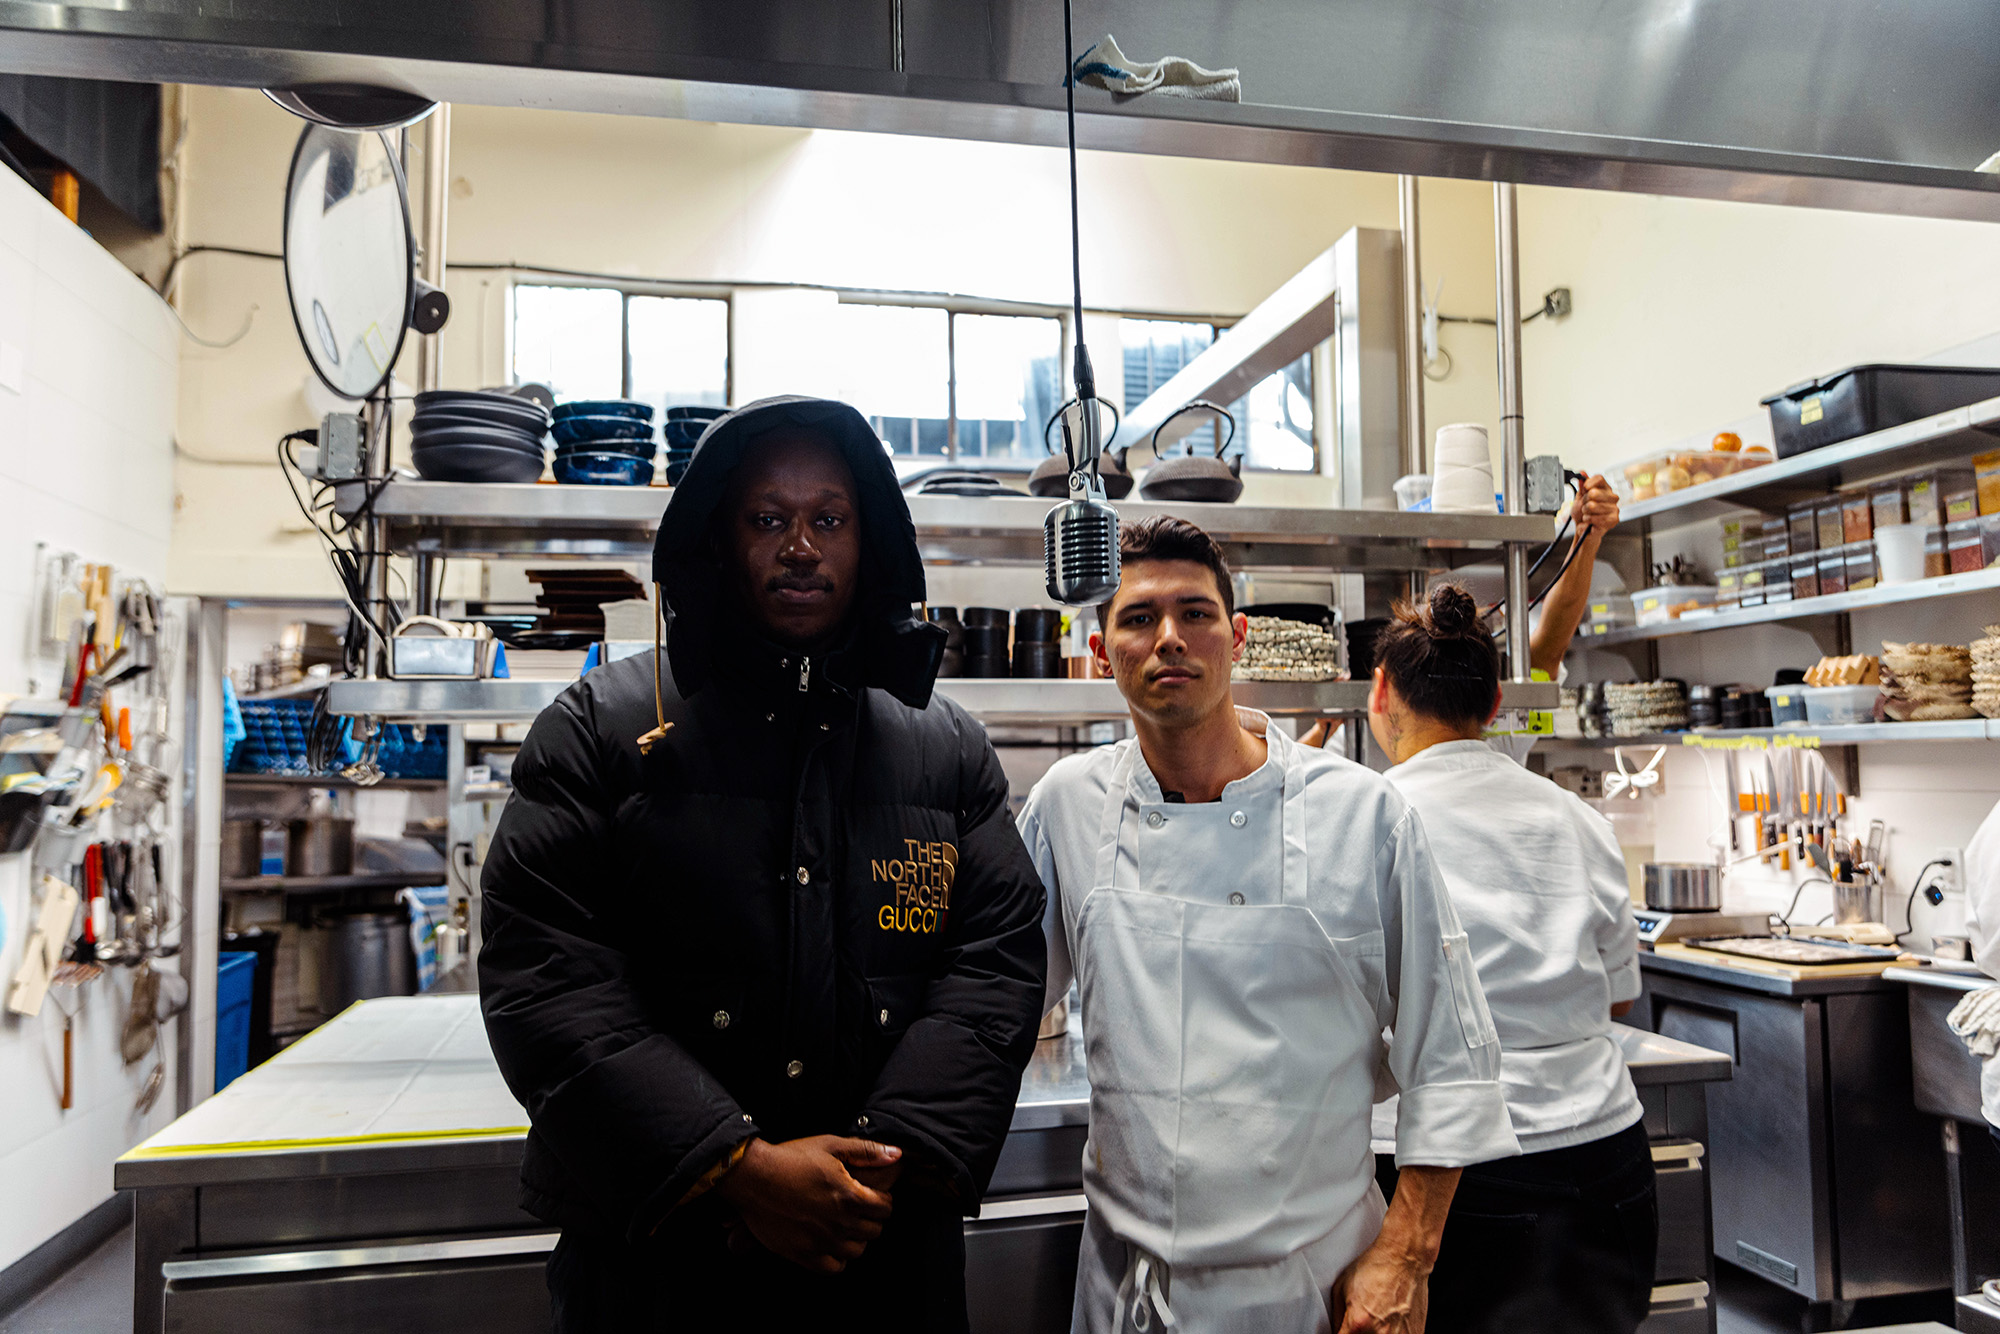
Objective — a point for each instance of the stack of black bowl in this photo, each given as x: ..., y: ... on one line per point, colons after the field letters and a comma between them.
x: 604, y: 442
x: 953, y: 662
x: 986, y: 641
x: 476, y: 435
x: 1037, y: 650
x: 683, y: 433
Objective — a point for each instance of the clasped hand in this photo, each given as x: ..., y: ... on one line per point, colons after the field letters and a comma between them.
x: 816, y: 1202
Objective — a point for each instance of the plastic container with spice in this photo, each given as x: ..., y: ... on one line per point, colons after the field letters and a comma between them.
x: 1857, y: 518
x: 1802, y: 527
x: 1669, y: 602
x: 1927, y: 492
x: 1936, y: 563
x: 1885, y: 500
x: 1986, y: 478
x: 1860, y: 566
x: 1831, y: 524
x: 1964, y: 547
x: 1989, y: 536
x: 1750, y: 589
x: 1832, y: 570
x: 1804, y: 568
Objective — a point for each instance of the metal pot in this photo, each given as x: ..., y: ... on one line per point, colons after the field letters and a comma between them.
x: 1683, y: 887
x: 368, y: 955
x: 322, y: 845
x: 242, y: 849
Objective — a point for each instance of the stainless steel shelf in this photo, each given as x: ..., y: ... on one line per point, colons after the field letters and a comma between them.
x: 1969, y: 729
x: 330, y: 884
x: 334, y: 781
x: 618, y: 523
x: 1946, y: 438
x: 1923, y: 590
x: 998, y: 701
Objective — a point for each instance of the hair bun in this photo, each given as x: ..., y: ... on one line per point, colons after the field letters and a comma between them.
x: 1453, y: 612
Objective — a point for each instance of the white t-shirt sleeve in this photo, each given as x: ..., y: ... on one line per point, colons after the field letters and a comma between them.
x: 1055, y: 923
x: 1444, y: 1053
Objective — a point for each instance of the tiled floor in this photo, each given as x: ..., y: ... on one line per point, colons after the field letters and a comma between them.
x: 93, y: 1298
x: 96, y: 1298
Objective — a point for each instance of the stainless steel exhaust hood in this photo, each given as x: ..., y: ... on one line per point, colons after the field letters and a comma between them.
x: 1850, y: 104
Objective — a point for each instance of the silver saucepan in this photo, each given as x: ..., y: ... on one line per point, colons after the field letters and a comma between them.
x: 1683, y: 887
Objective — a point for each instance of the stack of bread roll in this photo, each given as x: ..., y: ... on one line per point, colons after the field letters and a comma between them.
x: 1927, y: 682
x: 1986, y: 673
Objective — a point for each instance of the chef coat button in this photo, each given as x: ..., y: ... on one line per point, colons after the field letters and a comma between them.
x: 1269, y: 1164
x: 1239, y: 819
x: 721, y: 1019
x: 884, y: 1017
x: 795, y: 1069
x: 803, y: 875
x: 1236, y: 898
x: 1155, y: 820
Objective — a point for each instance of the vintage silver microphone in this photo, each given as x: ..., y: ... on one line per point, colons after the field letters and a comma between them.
x: 1080, y: 536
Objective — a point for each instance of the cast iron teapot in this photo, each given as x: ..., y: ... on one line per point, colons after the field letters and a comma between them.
x: 1051, y: 476
x: 1192, y: 476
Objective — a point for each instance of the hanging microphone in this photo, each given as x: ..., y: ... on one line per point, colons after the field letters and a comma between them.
x: 1080, y: 537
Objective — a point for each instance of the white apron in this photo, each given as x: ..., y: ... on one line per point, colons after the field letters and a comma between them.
x: 1232, y: 1050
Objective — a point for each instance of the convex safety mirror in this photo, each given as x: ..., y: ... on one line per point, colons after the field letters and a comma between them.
x: 349, y: 256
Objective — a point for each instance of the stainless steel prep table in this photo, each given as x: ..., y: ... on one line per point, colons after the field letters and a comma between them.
x: 1945, y: 1075
x: 366, y: 1178
x: 1825, y: 1178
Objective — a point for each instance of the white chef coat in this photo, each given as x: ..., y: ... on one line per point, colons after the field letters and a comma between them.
x: 1537, y: 878
x: 1982, y: 924
x: 1238, y: 962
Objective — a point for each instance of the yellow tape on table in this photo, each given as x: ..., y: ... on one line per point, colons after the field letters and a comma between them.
x: 326, y: 1142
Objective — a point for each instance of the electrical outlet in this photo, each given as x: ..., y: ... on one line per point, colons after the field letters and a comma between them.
x: 1948, y: 879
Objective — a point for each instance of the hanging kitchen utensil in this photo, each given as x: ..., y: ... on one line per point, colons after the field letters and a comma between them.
x: 142, y: 1024
x: 1191, y: 476
x: 1050, y: 478
x: 41, y: 953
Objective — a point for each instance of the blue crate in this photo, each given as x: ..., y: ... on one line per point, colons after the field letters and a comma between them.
x: 235, y: 971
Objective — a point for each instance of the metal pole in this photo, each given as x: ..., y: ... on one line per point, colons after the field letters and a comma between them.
x: 436, y: 199
x: 1413, y: 327
x: 375, y: 537
x: 1513, y: 455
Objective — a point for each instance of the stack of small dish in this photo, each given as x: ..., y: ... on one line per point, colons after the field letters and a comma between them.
x: 604, y: 442
x: 475, y: 435
x: 684, y: 428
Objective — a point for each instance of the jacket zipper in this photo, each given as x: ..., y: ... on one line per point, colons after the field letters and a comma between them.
x: 805, y: 675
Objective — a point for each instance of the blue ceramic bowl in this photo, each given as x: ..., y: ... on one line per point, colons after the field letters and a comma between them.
x: 676, y: 471
x: 603, y: 469
x: 683, y: 433
x: 604, y: 407
x: 692, y: 413
x: 479, y: 463
x: 635, y: 449
x: 579, y: 430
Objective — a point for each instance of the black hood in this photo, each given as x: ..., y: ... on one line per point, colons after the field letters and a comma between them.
x: 889, y: 649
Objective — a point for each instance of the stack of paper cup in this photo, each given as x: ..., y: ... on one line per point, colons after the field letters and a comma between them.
x: 1462, y: 471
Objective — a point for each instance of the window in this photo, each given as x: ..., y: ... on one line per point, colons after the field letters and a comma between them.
x: 1008, y: 383
x: 599, y: 342
x: 1274, y: 421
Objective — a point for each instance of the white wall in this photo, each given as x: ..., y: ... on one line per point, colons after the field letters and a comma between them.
x: 88, y: 377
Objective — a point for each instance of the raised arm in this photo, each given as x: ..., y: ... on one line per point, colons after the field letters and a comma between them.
x: 1562, y: 610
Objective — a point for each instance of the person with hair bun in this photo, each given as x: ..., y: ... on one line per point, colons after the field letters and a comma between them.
x: 1562, y: 1237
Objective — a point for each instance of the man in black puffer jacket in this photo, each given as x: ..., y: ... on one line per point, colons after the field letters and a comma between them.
x: 762, y: 950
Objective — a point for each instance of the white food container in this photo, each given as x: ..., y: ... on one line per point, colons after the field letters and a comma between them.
x: 1840, y: 706
x: 1669, y: 601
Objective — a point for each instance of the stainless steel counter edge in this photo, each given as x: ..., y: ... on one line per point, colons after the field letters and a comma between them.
x: 1724, y: 975
x: 277, y: 1164
x: 1949, y: 979
x: 1654, y: 1060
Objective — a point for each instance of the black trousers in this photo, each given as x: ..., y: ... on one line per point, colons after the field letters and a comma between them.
x: 911, y: 1278
x: 1552, y: 1242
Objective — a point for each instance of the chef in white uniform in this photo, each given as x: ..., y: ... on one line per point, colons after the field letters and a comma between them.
x: 1245, y: 917
x: 1560, y: 1238
x: 1982, y: 924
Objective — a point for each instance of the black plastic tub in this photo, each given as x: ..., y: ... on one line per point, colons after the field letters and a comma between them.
x: 1862, y: 399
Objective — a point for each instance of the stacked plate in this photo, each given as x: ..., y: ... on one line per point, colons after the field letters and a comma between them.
x: 683, y: 431
x: 604, y: 442
x: 476, y: 435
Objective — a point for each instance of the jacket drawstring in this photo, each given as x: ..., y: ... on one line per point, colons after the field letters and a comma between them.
x: 647, y: 741
x: 1142, y: 1281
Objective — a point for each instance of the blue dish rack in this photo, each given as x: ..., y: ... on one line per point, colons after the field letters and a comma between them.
x: 274, y: 742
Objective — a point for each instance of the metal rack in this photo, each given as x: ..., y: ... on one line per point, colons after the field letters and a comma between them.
x: 1799, y: 609
x: 1808, y: 737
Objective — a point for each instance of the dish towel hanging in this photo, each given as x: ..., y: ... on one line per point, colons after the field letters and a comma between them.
x: 1105, y: 66
x: 1977, y: 1020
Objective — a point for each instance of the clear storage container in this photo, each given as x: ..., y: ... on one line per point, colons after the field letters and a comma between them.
x: 1669, y: 602
x: 1662, y: 474
x: 1788, y: 704
x: 1839, y: 706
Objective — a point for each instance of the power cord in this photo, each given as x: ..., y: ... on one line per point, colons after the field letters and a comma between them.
x: 1910, y: 904
x: 1792, y: 907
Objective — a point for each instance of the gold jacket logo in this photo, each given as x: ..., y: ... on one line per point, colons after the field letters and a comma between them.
x: 920, y: 881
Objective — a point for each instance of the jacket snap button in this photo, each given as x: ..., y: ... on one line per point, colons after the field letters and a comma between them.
x: 770, y: 717
x: 1236, y: 898
x: 803, y: 875
x: 1155, y: 820
x: 1239, y: 819
x: 721, y: 1019
x: 747, y: 1117
x: 861, y: 1123
x: 885, y: 1018
x: 826, y: 727
x: 795, y: 1069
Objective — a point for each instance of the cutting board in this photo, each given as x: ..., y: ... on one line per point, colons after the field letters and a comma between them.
x: 1793, y: 972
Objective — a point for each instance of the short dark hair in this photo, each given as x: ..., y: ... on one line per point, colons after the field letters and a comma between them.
x: 1441, y: 657
x: 1164, y: 537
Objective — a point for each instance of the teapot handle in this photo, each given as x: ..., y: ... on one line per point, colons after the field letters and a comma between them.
x: 1116, y: 420
x: 1200, y: 404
